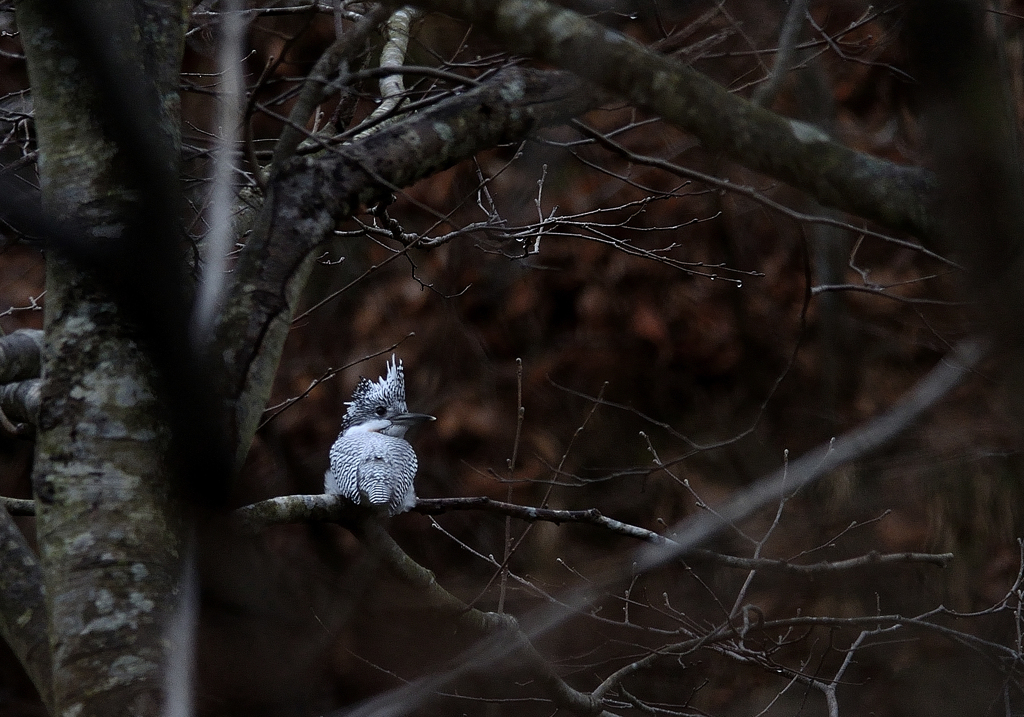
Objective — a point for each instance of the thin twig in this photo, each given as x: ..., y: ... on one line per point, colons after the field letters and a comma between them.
x: 326, y: 376
x: 328, y: 71
x: 748, y: 192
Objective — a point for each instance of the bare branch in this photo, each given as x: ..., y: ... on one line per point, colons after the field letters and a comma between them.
x: 18, y: 506
x: 693, y: 531
x: 793, y: 151
x: 19, y: 402
x: 23, y: 621
x: 332, y: 67
x: 512, y: 641
x: 591, y: 516
x: 392, y: 86
x: 857, y: 443
x: 327, y: 375
x: 19, y: 355
x: 332, y: 508
x: 883, y: 292
x: 751, y: 193
x: 872, y: 559
x: 613, y: 680
x: 298, y: 509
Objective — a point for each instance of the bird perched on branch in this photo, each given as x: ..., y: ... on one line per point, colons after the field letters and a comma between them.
x: 371, y: 462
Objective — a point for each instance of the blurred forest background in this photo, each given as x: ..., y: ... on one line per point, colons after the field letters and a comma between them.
x: 677, y: 338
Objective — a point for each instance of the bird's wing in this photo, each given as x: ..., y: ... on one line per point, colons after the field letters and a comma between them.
x: 403, y: 494
x: 342, y: 477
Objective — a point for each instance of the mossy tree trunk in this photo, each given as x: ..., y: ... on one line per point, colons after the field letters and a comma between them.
x: 109, y: 543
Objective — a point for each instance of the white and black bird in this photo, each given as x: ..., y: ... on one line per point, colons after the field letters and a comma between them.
x: 371, y: 462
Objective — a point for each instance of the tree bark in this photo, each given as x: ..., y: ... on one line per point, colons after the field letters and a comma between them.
x: 106, y: 528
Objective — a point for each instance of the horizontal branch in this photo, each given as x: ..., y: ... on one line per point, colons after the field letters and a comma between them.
x: 689, y: 534
x: 871, y: 559
x: 336, y: 509
x: 18, y: 506
x: 698, y: 528
x: 792, y: 151
x: 299, y: 509
x: 19, y: 402
x: 19, y: 355
x: 590, y: 516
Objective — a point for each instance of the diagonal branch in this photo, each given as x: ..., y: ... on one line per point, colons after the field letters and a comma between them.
x: 23, y: 622
x: 862, y: 441
x: 789, y: 150
x: 330, y: 69
x: 502, y: 630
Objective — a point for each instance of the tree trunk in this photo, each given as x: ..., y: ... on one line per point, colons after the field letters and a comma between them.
x: 108, y: 537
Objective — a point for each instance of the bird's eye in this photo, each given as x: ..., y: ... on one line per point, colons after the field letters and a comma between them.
x: 381, y: 411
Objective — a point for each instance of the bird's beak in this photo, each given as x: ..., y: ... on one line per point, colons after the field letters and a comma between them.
x: 411, y: 419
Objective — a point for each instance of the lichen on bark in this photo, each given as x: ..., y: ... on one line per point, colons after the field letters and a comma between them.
x: 102, y: 477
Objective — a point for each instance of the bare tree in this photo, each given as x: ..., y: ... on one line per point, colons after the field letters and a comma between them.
x: 646, y: 249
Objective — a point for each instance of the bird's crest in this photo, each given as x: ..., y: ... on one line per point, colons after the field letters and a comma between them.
x: 387, y: 391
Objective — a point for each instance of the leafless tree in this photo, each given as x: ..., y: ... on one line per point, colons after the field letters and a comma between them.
x: 697, y: 222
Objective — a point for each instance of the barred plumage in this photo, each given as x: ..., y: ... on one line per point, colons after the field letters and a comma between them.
x: 373, y: 468
x: 371, y: 462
